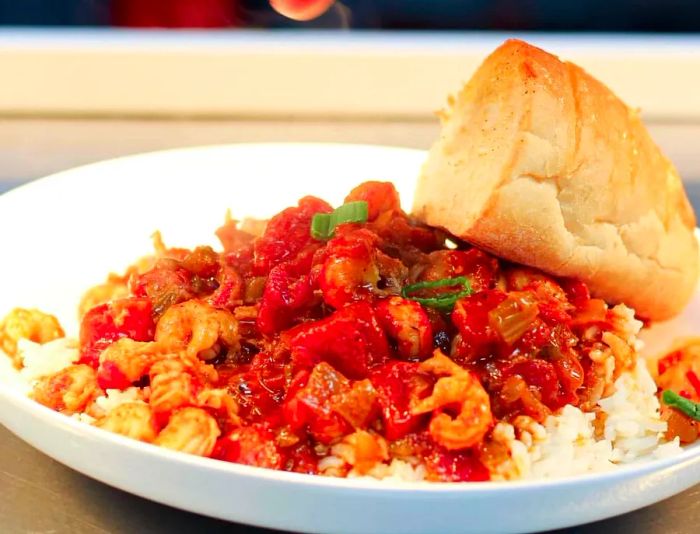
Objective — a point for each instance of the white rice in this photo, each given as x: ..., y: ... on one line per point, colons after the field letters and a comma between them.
x: 42, y: 360
x: 104, y: 404
x: 396, y: 471
x: 633, y: 425
x: 627, y: 326
x: 633, y: 432
x: 115, y: 397
x: 38, y: 360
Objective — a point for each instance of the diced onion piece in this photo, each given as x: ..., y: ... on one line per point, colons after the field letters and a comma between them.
x: 513, y: 317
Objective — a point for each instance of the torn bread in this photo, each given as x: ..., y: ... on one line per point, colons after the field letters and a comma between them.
x: 541, y: 164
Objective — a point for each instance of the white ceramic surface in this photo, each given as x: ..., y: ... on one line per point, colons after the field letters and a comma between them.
x: 63, y: 233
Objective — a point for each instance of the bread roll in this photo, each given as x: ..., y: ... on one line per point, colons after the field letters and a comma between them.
x: 541, y: 164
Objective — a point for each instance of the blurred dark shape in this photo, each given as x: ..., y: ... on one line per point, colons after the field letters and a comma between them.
x: 547, y: 15
x: 55, y: 12
x: 511, y: 15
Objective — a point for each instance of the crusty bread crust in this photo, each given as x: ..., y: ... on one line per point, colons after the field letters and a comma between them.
x: 541, y: 164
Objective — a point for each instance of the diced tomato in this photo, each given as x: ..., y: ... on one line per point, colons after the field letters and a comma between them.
x: 591, y: 312
x: 312, y: 404
x: 538, y: 336
x: 394, y: 385
x: 288, y: 292
x: 328, y: 403
x: 301, y: 458
x: 547, y: 289
x: 230, y: 290
x: 286, y: 234
x: 106, y: 323
x: 255, y: 401
x: 241, y: 259
x: 553, y: 312
x: 471, y: 316
x: 358, y: 405
x: 350, y: 339
x: 250, y: 445
x: 295, y: 411
x: 576, y: 291
x: 456, y: 466
x: 481, y: 268
x: 109, y: 376
x: 539, y: 374
x: 330, y: 428
x: 271, y: 372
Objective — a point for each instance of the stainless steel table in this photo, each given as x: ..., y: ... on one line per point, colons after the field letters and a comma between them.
x: 39, y: 495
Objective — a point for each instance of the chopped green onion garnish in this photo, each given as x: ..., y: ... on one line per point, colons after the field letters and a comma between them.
x: 688, y: 407
x: 444, y: 302
x: 320, y: 226
x: 323, y: 224
x: 432, y: 284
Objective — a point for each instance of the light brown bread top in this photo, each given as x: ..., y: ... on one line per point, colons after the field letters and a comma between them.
x: 541, y: 164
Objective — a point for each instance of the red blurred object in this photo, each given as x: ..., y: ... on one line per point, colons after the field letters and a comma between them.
x: 176, y: 13
x: 301, y: 9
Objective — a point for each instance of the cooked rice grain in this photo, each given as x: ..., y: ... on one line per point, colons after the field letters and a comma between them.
x: 42, y: 360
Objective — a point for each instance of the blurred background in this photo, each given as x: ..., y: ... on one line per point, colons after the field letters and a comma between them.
x: 545, y: 15
x: 85, y: 80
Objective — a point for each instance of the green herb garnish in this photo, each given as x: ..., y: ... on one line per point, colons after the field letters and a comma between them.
x: 445, y: 301
x: 323, y: 224
x: 688, y: 407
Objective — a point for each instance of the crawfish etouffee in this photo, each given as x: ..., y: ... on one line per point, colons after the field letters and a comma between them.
x: 353, y: 342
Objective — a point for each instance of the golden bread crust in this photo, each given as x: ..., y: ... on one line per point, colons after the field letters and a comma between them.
x: 541, y: 164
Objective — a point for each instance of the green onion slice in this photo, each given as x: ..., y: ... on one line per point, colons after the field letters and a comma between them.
x: 444, y: 302
x: 323, y: 224
x: 688, y: 407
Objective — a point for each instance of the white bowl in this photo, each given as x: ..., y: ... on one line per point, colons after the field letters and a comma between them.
x: 64, y: 233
